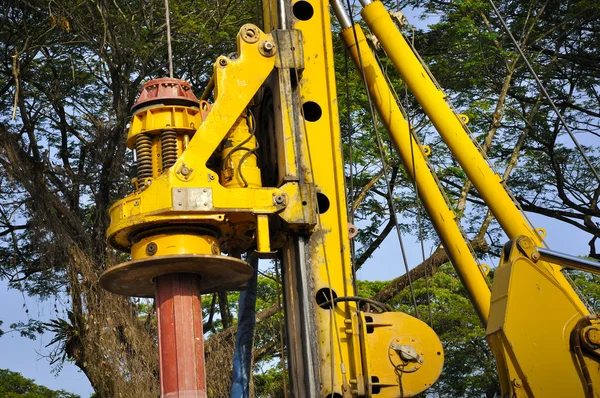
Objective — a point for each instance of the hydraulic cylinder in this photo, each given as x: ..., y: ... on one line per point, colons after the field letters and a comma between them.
x: 416, y: 167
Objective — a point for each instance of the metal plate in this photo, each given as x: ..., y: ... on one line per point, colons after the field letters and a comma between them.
x: 192, y: 199
x: 136, y: 278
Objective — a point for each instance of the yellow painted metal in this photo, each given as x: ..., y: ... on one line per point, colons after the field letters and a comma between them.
x: 236, y: 82
x: 446, y: 122
x: 416, y: 167
x: 153, y: 120
x: 238, y: 156
x: 263, y: 244
x: 174, y: 244
x: 530, y: 329
x: 329, y: 245
x: 351, y: 360
x: 381, y: 334
x: 533, y: 307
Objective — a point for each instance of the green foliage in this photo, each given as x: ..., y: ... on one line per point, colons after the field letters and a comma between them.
x: 269, y: 383
x: 469, y: 367
x: 75, y: 69
x: 14, y: 385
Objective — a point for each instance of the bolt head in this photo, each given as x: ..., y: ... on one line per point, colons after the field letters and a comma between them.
x: 593, y: 336
x: 279, y: 199
x: 517, y: 383
x: 185, y: 171
x: 151, y: 249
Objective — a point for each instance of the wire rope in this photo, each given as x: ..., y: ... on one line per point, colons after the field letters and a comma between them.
x: 385, y: 167
x: 543, y: 90
x: 334, y: 335
x: 169, y: 49
x: 479, y: 148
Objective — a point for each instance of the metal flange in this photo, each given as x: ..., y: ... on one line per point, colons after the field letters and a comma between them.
x: 136, y: 278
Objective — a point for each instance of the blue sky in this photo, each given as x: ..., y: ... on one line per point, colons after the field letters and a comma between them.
x: 29, y: 357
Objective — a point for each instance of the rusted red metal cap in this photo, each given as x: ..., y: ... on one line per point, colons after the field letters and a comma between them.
x: 166, y: 91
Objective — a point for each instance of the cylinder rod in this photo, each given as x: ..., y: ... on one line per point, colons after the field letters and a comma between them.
x: 180, y: 337
x: 447, y: 123
x: 568, y: 261
x: 416, y: 167
x: 450, y: 128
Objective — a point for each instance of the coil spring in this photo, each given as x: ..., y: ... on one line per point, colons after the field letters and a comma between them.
x: 168, y: 141
x: 143, y: 151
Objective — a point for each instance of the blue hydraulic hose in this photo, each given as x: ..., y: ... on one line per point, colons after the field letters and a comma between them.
x: 244, y: 339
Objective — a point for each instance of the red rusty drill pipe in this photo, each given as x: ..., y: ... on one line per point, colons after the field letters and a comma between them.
x: 180, y: 337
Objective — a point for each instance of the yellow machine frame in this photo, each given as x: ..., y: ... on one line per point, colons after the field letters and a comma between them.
x: 537, y: 327
x: 534, y: 310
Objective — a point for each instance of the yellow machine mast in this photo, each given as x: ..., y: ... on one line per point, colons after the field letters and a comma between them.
x: 260, y: 171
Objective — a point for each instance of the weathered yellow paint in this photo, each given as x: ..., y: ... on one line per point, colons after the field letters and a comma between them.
x: 416, y: 167
x: 530, y: 329
x: 238, y: 156
x: 378, y: 333
x: 533, y: 307
x: 329, y: 245
x: 236, y: 82
x: 175, y: 245
x: 263, y: 244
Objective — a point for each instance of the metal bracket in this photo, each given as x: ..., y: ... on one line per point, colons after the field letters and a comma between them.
x: 192, y: 199
x: 290, y: 53
x: 528, y: 248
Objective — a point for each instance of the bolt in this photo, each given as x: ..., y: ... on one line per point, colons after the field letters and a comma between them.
x: 136, y: 203
x: 211, y: 177
x: 185, y: 171
x: 151, y: 249
x: 214, y: 248
x: 250, y: 33
x: 222, y: 62
x: 593, y: 336
x: 535, y: 256
x: 517, y: 383
x: 279, y: 199
x: 268, y: 47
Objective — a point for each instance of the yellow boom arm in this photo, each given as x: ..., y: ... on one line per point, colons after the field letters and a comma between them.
x: 534, y: 313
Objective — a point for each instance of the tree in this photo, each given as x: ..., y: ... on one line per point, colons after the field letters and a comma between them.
x: 70, y: 73
x: 69, y: 76
x: 14, y: 385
